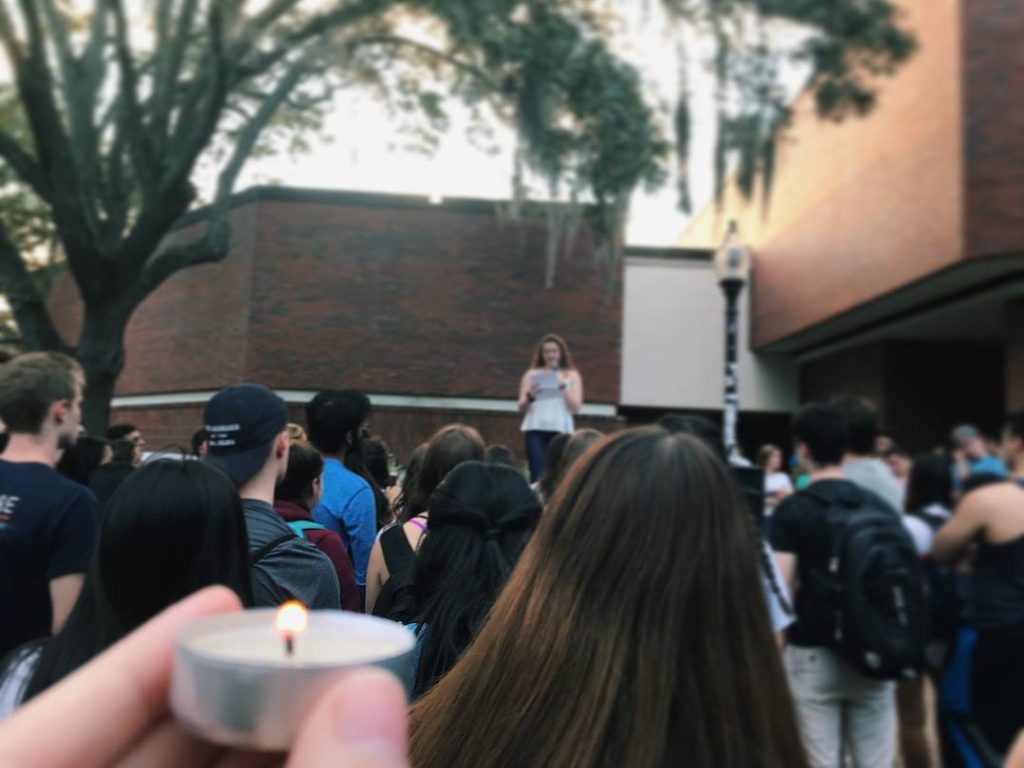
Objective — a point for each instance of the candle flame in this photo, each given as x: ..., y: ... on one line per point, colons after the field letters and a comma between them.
x: 292, y: 617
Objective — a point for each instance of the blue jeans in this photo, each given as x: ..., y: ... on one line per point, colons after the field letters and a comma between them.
x: 537, y: 451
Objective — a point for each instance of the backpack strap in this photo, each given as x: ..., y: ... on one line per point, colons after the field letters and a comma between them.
x: 269, y: 547
x: 299, y: 527
x: 398, y: 554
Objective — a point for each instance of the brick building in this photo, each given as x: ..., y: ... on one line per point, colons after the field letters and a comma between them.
x: 889, y: 259
x: 433, y: 310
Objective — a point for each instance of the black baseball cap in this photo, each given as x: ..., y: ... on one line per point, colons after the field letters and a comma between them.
x: 241, y: 423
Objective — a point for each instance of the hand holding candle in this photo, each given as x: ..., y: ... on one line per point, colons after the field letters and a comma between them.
x: 247, y: 679
x: 114, y: 711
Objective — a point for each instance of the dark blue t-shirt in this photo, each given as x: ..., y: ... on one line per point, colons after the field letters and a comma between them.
x: 48, y: 529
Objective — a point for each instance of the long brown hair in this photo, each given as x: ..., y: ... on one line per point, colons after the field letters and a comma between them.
x: 633, y: 632
x: 566, y: 363
x: 449, y: 447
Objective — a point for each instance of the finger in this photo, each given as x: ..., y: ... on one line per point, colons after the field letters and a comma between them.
x: 359, y: 723
x: 235, y: 759
x: 168, y: 745
x: 107, y: 705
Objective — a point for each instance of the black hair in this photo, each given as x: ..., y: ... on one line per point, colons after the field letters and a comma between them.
x: 822, y: 428
x: 377, y: 460
x: 305, y: 465
x: 698, y: 426
x: 549, y: 480
x: 82, y: 459
x: 930, y: 482
x: 861, y: 419
x: 500, y: 454
x: 1015, y: 424
x: 120, y: 431
x: 333, y: 418
x: 197, y: 441
x: 123, y: 452
x: 355, y: 463
x: 481, y: 517
x: 896, y: 450
x: 171, y: 528
x: 409, y: 479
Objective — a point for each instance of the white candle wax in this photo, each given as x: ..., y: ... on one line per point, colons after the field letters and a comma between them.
x: 318, y: 645
x: 235, y: 684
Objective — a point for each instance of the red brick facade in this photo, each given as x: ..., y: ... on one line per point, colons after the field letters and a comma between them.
x: 387, y: 294
x: 993, y: 76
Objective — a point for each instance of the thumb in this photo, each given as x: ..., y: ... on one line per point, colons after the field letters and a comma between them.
x: 359, y: 723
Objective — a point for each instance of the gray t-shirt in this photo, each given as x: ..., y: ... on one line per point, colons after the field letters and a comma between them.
x: 873, y: 475
x: 293, y: 569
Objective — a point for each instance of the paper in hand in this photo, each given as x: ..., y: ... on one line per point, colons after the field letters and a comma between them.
x: 547, y: 385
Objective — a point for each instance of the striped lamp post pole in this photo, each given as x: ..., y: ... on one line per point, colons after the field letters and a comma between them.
x: 732, y: 265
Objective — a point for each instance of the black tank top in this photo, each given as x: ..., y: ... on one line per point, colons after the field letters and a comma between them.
x: 998, y: 584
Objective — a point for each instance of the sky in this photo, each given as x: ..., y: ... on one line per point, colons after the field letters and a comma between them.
x: 365, y: 152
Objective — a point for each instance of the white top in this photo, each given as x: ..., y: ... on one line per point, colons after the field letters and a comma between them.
x: 922, y: 533
x: 773, y: 483
x: 549, y: 412
x: 778, y: 481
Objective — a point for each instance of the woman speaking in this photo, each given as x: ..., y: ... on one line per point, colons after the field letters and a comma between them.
x: 550, y: 393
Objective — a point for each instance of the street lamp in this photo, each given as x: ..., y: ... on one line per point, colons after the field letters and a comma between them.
x: 732, y: 265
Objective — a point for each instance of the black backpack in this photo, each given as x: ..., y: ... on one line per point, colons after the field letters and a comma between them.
x: 396, y: 600
x: 873, y: 588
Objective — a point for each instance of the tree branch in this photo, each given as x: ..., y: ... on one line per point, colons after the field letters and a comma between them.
x: 26, y: 167
x: 143, y: 157
x: 323, y: 22
x: 397, y: 41
x: 214, y: 244
x: 27, y: 305
x: 170, y: 53
x: 78, y: 86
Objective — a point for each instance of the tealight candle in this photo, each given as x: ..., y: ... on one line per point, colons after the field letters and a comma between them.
x: 248, y: 679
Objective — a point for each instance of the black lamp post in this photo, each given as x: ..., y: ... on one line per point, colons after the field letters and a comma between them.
x: 732, y: 265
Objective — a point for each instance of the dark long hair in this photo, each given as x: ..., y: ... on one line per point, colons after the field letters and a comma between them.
x: 449, y: 447
x: 633, y: 632
x: 412, y: 471
x: 930, y: 482
x: 367, y: 462
x: 305, y: 465
x: 481, y: 517
x: 552, y: 465
x: 82, y: 459
x: 171, y: 528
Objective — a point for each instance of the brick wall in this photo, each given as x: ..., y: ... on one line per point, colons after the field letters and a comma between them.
x: 861, y: 207
x: 379, y: 292
x: 993, y: 125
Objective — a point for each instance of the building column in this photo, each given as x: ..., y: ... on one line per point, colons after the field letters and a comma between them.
x: 1015, y: 355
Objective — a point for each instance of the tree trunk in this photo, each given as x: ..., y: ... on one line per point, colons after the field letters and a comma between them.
x: 101, y: 353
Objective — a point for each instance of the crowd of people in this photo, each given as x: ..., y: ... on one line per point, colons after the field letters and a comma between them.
x: 630, y: 599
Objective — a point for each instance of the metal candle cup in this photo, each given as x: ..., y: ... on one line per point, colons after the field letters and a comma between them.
x: 235, y: 684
